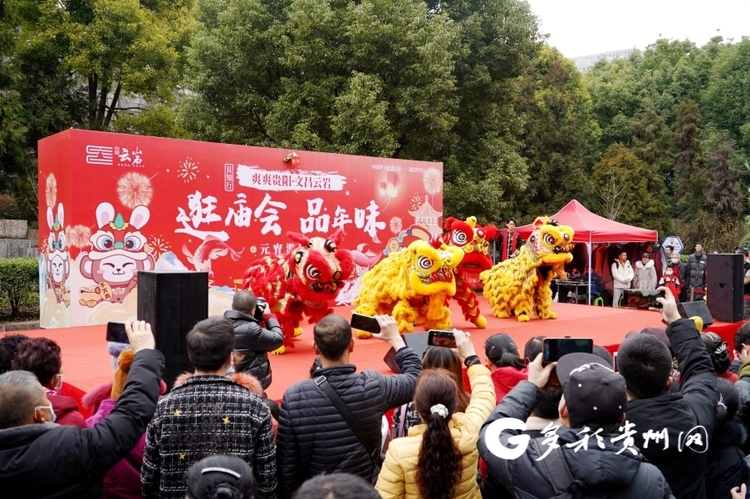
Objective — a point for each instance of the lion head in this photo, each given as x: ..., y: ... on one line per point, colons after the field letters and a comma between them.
x: 552, y: 244
x: 431, y: 267
x: 319, y: 266
x: 473, y: 239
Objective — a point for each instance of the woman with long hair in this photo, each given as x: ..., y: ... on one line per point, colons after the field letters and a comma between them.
x: 406, y: 416
x: 438, y: 460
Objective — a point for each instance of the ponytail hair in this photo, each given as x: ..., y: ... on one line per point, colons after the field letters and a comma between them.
x: 502, y: 351
x: 728, y: 402
x: 439, y: 465
x: 221, y: 477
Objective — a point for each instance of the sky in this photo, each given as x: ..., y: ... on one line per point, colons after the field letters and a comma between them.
x: 586, y: 27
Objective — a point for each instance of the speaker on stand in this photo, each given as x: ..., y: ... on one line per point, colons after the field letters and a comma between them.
x: 725, y: 286
x: 172, y: 302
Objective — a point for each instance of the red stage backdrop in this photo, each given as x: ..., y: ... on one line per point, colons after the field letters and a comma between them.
x: 113, y: 204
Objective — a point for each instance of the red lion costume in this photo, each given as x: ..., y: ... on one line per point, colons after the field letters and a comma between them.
x: 474, y: 240
x: 302, y: 281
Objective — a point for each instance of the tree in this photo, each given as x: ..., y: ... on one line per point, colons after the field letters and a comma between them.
x: 652, y: 140
x: 628, y: 187
x: 688, y: 168
x: 560, y: 135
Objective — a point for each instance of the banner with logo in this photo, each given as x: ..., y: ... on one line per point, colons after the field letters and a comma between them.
x: 113, y: 204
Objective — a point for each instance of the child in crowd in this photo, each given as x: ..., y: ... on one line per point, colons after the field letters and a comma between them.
x: 672, y: 281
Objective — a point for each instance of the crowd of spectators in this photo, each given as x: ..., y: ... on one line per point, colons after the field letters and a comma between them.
x: 668, y: 419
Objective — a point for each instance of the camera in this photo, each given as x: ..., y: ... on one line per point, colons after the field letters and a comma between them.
x: 260, y: 308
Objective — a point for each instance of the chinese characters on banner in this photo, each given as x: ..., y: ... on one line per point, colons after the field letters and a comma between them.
x: 134, y: 202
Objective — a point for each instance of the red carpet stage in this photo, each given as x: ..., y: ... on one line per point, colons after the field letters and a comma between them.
x: 87, y: 364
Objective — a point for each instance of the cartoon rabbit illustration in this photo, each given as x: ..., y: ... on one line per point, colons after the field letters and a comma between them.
x: 118, y: 253
x: 57, y: 256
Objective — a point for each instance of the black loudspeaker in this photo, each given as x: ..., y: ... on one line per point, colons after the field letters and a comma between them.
x: 415, y: 341
x: 172, y: 302
x: 725, y: 286
x: 690, y: 309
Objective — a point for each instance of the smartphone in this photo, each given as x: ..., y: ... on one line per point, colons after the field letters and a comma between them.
x: 554, y: 348
x: 441, y: 338
x: 365, y: 323
x: 116, y: 332
x: 642, y: 298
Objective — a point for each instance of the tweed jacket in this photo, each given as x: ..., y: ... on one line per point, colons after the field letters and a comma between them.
x: 207, y: 415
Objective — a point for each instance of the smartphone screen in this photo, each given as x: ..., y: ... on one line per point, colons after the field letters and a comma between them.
x: 365, y: 323
x: 439, y: 338
x: 642, y: 298
x: 116, y: 332
x: 554, y: 348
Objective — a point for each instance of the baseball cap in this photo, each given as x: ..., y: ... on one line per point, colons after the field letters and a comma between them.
x: 594, y: 393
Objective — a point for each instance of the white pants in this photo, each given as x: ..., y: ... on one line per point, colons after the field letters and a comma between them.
x: 616, y: 294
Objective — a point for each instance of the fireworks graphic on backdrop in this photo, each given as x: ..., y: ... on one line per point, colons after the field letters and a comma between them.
x: 415, y: 201
x: 77, y: 236
x: 433, y: 181
x: 188, y: 171
x: 396, y: 225
x: 134, y: 190
x: 158, y: 246
x: 50, y: 190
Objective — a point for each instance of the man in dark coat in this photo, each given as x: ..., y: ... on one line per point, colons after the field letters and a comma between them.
x: 51, y: 461
x: 694, y: 273
x: 591, y: 453
x: 673, y: 425
x: 252, y: 341
x: 510, y: 241
x: 313, y: 437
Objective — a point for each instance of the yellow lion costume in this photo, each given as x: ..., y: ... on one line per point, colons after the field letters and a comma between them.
x: 521, y: 285
x: 413, y: 285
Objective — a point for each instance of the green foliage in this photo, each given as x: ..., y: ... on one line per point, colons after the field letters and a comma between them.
x: 688, y: 168
x: 158, y: 121
x: 560, y: 135
x: 629, y: 191
x: 18, y: 278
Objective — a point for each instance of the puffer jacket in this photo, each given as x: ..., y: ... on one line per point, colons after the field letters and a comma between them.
x: 726, y: 462
x: 505, y: 378
x: 743, y: 387
x: 622, y: 274
x: 396, y: 479
x: 680, y: 412
x: 645, y: 275
x: 314, y: 438
x: 254, y: 342
x: 604, y: 471
x: 694, y: 271
x: 66, y: 410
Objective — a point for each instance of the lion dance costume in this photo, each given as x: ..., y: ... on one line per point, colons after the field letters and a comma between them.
x: 302, y: 281
x: 521, y: 285
x: 474, y: 240
x: 413, y: 285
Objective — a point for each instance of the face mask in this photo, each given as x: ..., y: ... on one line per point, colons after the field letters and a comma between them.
x: 59, y: 383
x: 675, y: 260
x: 50, y: 409
x: 230, y: 370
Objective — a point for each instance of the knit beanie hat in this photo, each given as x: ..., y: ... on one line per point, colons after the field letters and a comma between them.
x: 124, y: 361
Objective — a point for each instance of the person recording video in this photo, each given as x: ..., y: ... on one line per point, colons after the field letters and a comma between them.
x: 257, y: 332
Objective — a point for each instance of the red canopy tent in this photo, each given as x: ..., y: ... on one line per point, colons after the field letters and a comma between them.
x: 591, y: 228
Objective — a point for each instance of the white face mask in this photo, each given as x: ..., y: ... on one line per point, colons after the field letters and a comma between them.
x: 675, y: 260
x: 50, y: 409
x: 59, y: 383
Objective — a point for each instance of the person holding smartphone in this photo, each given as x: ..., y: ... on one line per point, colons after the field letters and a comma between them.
x: 439, y: 457
x: 39, y: 459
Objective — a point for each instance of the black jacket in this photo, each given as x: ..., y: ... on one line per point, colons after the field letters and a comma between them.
x: 313, y: 437
x: 680, y: 412
x: 53, y: 461
x: 694, y: 271
x: 599, y: 472
x: 726, y: 462
x: 253, y: 343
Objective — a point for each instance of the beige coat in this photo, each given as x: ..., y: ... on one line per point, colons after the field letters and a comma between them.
x: 396, y: 478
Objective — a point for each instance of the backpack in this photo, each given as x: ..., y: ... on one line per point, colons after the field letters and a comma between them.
x: 561, y: 479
